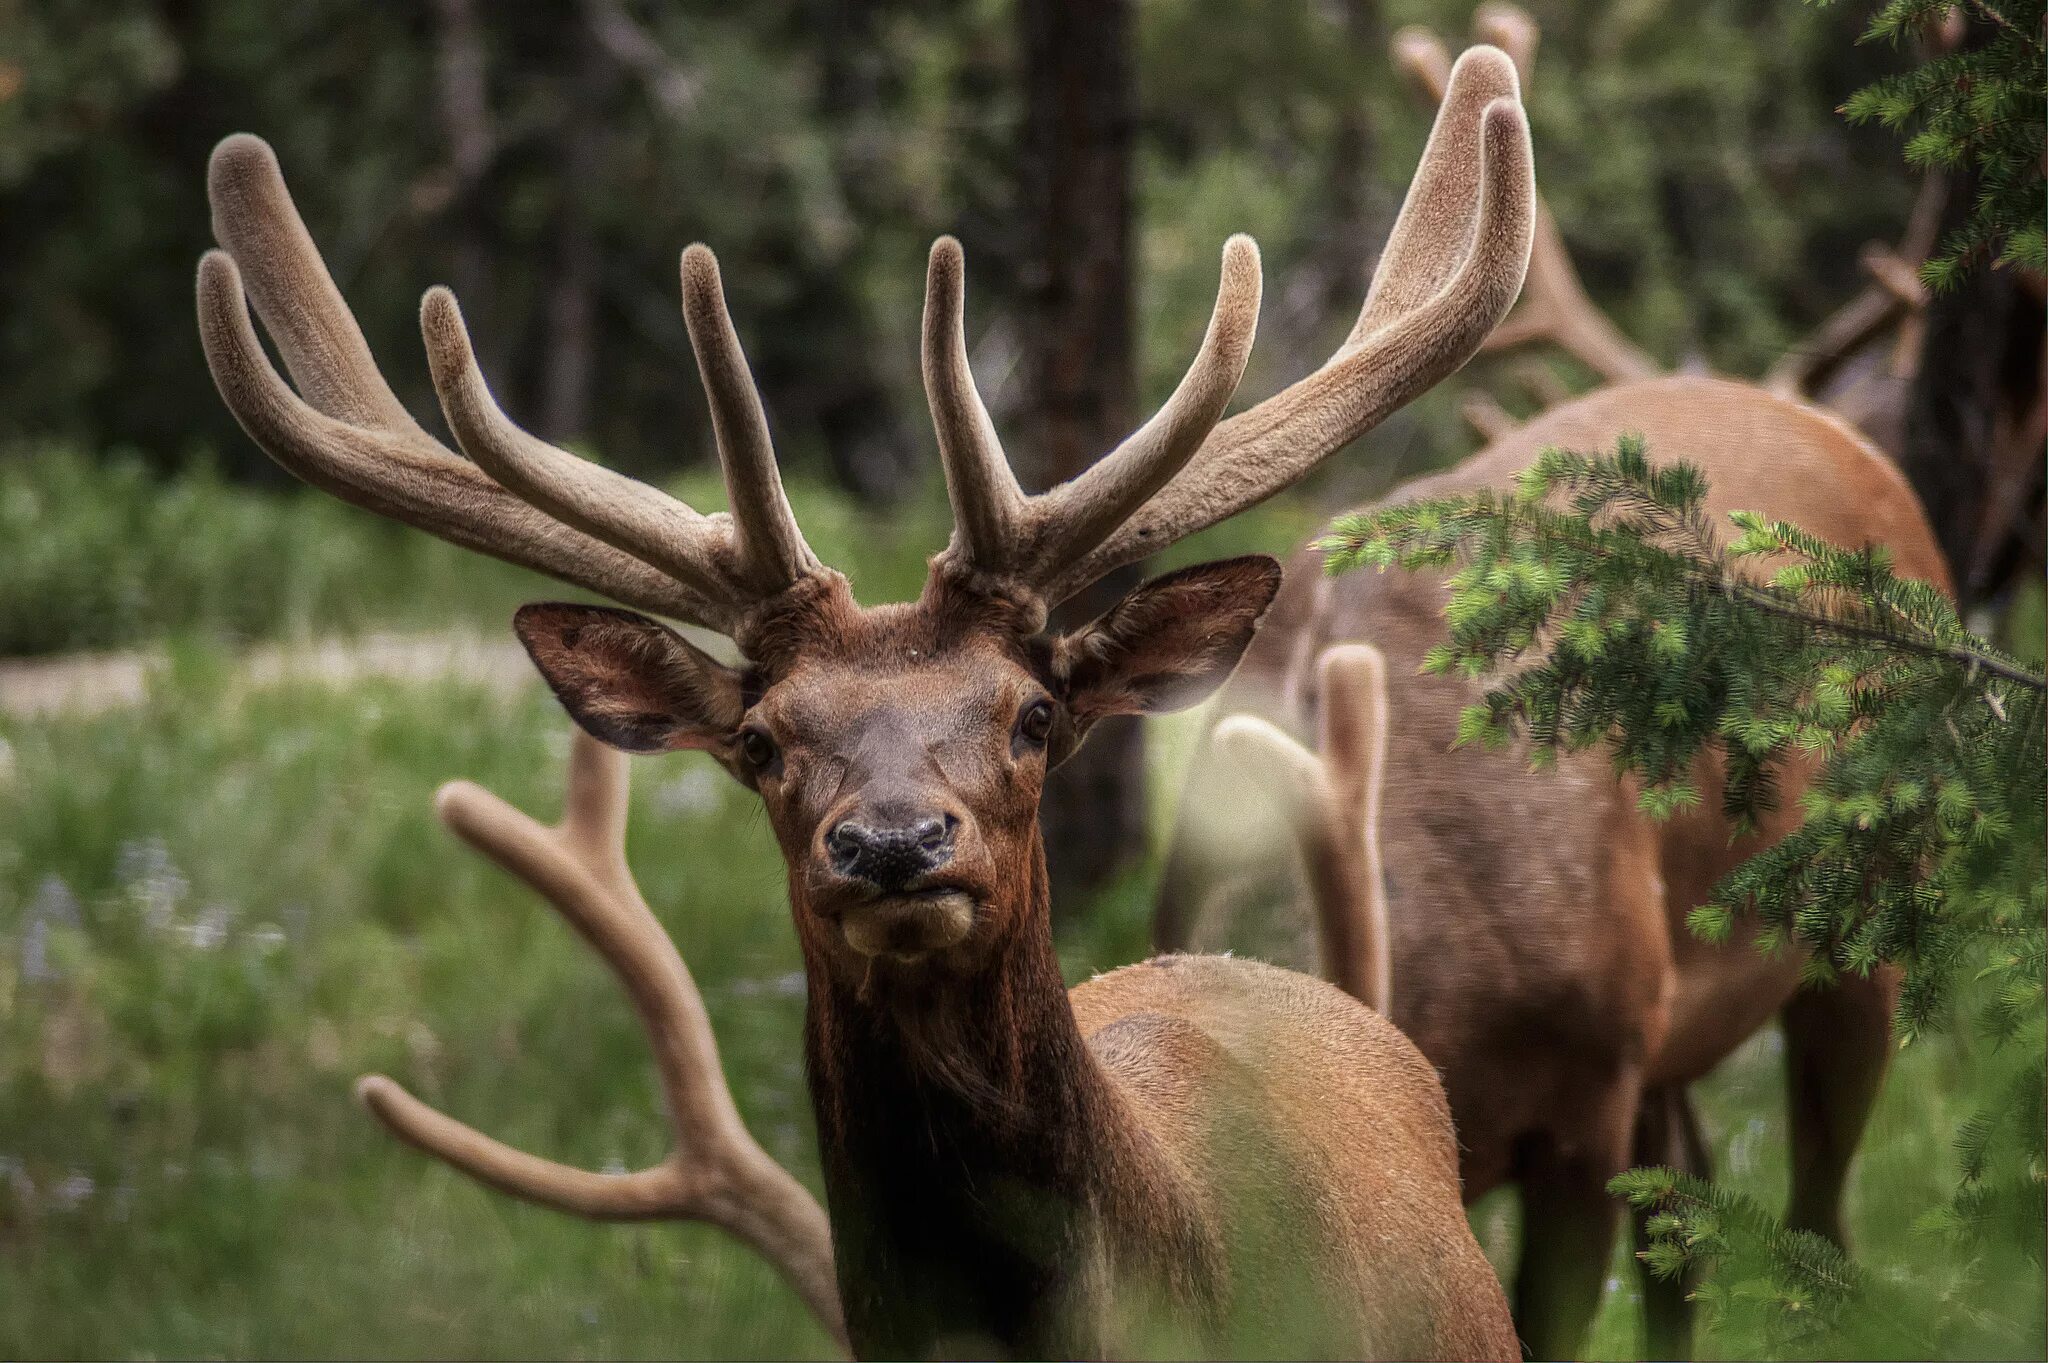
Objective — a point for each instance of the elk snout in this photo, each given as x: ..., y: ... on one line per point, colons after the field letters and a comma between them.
x: 889, y: 855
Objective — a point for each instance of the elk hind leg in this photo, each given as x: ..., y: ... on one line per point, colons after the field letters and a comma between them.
x: 1568, y: 1226
x: 1667, y: 1133
x: 1837, y: 1040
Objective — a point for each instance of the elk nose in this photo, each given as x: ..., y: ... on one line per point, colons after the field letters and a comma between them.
x: 890, y: 857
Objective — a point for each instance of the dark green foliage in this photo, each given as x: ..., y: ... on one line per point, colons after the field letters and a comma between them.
x: 98, y: 553
x: 1981, y: 109
x: 820, y: 148
x: 1805, y: 1278
x: 1614, y: 616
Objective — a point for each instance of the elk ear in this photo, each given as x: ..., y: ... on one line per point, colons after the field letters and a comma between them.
x: 1168, y: 644
x: 630, y: 681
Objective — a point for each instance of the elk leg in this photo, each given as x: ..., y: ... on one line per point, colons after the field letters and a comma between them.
x: 1837, y: 1039
x: 1568, y: 1226
x: 1667, y: 1133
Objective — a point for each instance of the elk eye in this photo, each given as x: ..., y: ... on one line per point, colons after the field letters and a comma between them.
x: 1035, y: 724
x: 757, y: 748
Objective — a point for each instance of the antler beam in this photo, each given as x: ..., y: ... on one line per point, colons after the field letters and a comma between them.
x: 1452, y: 268
x: 717, y: 1172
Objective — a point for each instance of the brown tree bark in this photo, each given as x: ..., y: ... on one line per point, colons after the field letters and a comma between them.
x: 1080, y: 366
x: 1355, y: 214
x: 568, y: 354
x: 1975, y: 421
x: 462, y: 103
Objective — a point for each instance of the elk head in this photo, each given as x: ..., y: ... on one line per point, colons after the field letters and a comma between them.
x: 900, y: 749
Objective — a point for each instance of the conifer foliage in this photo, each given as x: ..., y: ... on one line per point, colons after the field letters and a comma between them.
x: 1608, y: 610
x: 1982, y: 108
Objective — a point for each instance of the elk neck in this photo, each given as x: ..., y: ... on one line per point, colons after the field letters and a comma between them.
x: 983, y: 1174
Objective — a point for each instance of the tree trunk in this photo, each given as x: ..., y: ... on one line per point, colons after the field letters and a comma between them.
x: 1079, y: 364
x: 1356, y: 213
x: 1974, y: 421
x: 462, y: 101
x: 873, y: 454
x: 569, y: 318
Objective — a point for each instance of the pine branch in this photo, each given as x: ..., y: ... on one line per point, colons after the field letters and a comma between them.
x: 1599, y: 600
x: 1963, y: 654
x: 1981, y: 108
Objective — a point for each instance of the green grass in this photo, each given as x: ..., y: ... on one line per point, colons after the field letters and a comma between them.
x: 214, y: 916
x: 240, y: 910
x: 1925, y: 1302
x: 98, y: 553
x: 265, y: 909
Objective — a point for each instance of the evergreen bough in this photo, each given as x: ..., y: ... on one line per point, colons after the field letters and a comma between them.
x: 1609, y: 611
x: 1982, y: 108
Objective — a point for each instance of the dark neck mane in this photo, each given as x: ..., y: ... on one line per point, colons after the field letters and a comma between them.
x: 981, y: 1170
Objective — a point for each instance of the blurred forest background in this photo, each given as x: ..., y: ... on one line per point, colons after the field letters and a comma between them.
x: 221, y: 896
x: 549, y: 161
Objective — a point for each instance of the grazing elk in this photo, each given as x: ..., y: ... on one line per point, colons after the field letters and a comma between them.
x: 1535, y: 923
x: 1010, y: 1166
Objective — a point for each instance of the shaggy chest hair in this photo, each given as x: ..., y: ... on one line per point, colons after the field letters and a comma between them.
x: 988, y: 1190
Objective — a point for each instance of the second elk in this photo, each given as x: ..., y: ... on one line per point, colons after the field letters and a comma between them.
x: 1533, y: 923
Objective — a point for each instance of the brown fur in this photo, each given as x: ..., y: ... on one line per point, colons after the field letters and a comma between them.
x: 1540, y: 956
x: 1195, y: 1154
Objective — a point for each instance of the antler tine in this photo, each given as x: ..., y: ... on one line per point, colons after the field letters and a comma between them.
x: 623, y: 512
x: 1078, y: 515
x: 255, y: 219
x: 1422, y: 56
x: 1486, y: 416
x: 988, y: 506
x: 717, y: 1173
x: 1353, y: 739
x: 1557, y: 309
x: 1555, y: 306
x: 771, y: 546
x: 1000, y: 530
x: 1332, y: 801
x: 1434, y: 228
x: 1540, y: 381
x: 1452, y: 268
x: 1894, y: 292
x: 401, y: 472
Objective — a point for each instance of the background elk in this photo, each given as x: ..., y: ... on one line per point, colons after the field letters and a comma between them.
x: 1535, y: 922
x: 1009, y: 1167
x: 1859, y: 362
x: 1958, y: 400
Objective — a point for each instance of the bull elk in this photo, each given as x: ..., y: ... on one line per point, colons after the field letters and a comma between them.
x: 1009, y: 1166
x: 1535, y: 923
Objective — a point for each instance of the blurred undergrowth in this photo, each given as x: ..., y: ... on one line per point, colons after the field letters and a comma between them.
x: 102, y: 552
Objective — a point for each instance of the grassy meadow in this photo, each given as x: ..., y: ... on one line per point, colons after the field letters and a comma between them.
x: 219, y: 907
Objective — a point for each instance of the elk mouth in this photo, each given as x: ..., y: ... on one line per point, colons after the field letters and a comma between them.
x: 909, y: 927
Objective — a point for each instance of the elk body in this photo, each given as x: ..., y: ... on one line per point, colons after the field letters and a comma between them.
x: 1534, y: 923
x: 1010, y: 1167
x: 1538, y: 953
